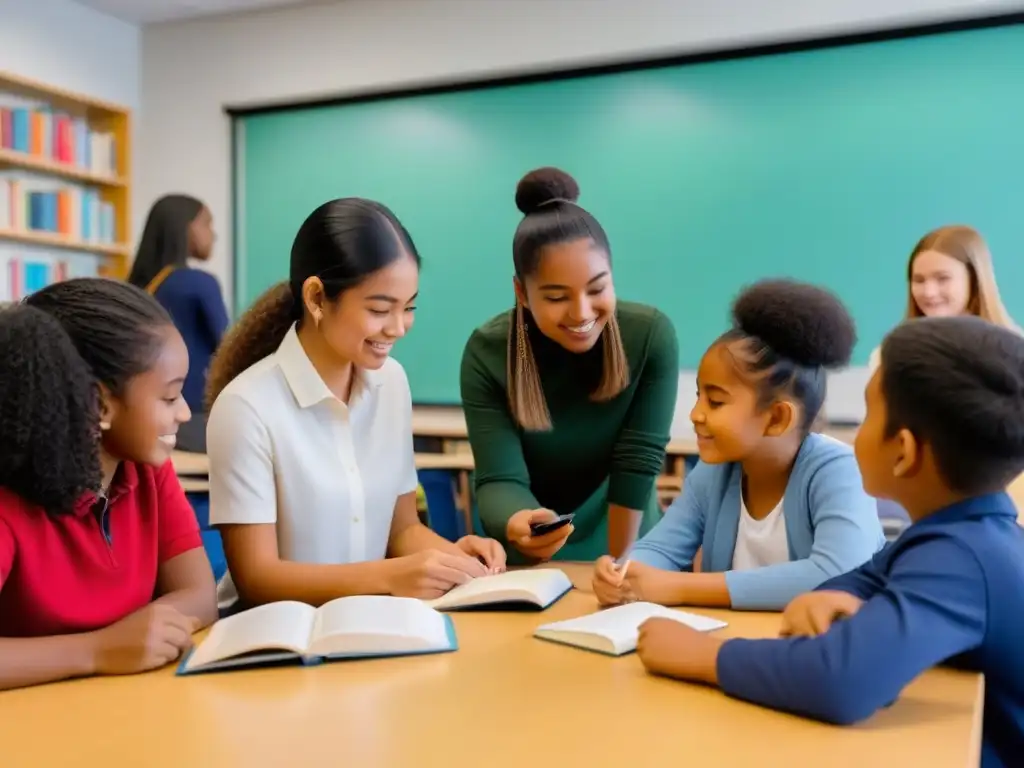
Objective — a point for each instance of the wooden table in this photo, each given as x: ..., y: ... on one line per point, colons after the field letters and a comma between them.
x: 504, y: 699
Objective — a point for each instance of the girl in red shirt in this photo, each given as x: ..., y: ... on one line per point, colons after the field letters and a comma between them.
x: 102, y: 569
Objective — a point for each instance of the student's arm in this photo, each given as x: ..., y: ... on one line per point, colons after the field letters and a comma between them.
x: 639, y: 453
x: 409, y: 535
x: 184, y: 577
x: 36, y: 660
x: 847, y: 533
x: 243, y: 505
x: 932, y: 609
x: 212, y: 308
x: 862, y: 582
x: 675, y: 539
x: 502, y: 480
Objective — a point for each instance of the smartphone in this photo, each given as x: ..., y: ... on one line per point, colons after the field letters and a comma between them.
x: 539, y: 529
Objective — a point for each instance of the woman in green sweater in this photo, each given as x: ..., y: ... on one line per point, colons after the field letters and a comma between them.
x: 569, y: 397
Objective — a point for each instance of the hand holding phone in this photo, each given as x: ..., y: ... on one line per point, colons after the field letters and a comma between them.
x: 547, y: 526
x: 538, y: 533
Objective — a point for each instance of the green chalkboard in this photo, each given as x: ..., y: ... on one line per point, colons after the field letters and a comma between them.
x: 825, y: 165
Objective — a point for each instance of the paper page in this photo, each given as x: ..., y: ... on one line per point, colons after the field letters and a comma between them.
x: 539, y: 584
x: 375, y: 623
x: 284, y: 625
x: 621, y: 624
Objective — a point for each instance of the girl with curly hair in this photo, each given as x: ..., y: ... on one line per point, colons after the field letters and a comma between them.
x: 93, y: 521
x: 774, y: 508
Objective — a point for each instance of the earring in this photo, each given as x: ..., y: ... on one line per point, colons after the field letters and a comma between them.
x: 104, y: 426
x: 316, y: 318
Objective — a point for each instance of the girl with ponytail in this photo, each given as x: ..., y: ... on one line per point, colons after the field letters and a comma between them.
x: 569, y: 397
x: 312, y: 471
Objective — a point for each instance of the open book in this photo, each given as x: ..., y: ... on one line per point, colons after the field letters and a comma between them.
x: 349, y: 627
x: 535, y: 588
x: 614, y: 630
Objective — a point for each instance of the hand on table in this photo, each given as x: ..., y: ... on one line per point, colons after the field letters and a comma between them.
x: 813, y: 613
x: 149, y: 638
x: 489, y: 551
x: 431, y: 573
x: 671, y: 648
x: 544, y: 547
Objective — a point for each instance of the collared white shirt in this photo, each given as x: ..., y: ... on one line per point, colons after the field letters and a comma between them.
x: 284, y: 450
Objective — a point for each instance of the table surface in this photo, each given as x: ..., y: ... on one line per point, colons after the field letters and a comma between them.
x: 503, y: 699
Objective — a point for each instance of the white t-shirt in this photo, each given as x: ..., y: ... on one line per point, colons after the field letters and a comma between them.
x: 283, y: 449
x: 760, y: 543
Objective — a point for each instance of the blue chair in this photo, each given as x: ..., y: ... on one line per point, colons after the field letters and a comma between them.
x: 443, y: 515
x: 211, y: 538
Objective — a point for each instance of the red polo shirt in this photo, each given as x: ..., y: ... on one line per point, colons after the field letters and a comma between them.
x: 83, y: 571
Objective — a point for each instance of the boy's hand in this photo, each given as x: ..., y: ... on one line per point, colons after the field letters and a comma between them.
x: 670, y: 648
x: 812, y: 614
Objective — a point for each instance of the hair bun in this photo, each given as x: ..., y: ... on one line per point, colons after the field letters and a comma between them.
x: 802, y: 322
x: 539, y: 187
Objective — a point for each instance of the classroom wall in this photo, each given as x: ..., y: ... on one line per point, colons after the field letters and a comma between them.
x: 191, y: 69
x: 68, y: 45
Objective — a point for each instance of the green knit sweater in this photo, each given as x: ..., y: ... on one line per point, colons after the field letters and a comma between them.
x: 596, y: 454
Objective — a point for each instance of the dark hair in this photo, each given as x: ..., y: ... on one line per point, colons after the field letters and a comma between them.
x: 58, y: 346
x: 957, y: 383
x: 342, y: 242
x: 547, y: 198
x: 164, y: 240
x: 792, y: 334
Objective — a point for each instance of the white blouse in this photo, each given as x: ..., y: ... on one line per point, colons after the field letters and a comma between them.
x: 284, y: 450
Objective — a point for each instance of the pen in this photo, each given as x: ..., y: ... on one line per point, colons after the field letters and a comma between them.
x: 622, y: 572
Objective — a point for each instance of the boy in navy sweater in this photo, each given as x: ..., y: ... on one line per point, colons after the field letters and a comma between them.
x: 943, y: 437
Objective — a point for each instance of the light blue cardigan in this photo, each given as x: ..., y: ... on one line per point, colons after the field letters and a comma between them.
x: 832, y: 526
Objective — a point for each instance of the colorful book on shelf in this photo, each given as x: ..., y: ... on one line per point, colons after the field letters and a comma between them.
x: 75, y: 212
x: 38, y: 131
x: 614, y: 631
x: 287, y: 632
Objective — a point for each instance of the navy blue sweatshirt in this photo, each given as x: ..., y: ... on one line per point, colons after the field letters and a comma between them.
x: 194, y: 301
x: 949, y: 590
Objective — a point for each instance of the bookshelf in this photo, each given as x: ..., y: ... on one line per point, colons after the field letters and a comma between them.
x: 65, y: 174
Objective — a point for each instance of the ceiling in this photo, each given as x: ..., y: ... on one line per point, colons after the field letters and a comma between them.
x: 150, y: 11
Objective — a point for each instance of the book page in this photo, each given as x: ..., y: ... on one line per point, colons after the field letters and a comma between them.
x: 284, y: 626
x: 378, y: 624
x: 621, y: 624
x: 540, y: 585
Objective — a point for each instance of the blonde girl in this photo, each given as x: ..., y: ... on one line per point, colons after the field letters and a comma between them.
x: 950, y: 273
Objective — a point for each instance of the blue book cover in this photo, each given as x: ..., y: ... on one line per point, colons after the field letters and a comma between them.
x: 50, y: 211
x: 37, y: 276
x: 349, y: 628
x: 36, y: 215
x: 20, y: 128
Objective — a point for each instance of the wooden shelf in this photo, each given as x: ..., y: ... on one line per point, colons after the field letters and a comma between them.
x: 102, y: 116
x: 11, y: 159
x: 58, y: 97
x: 53, y: 240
